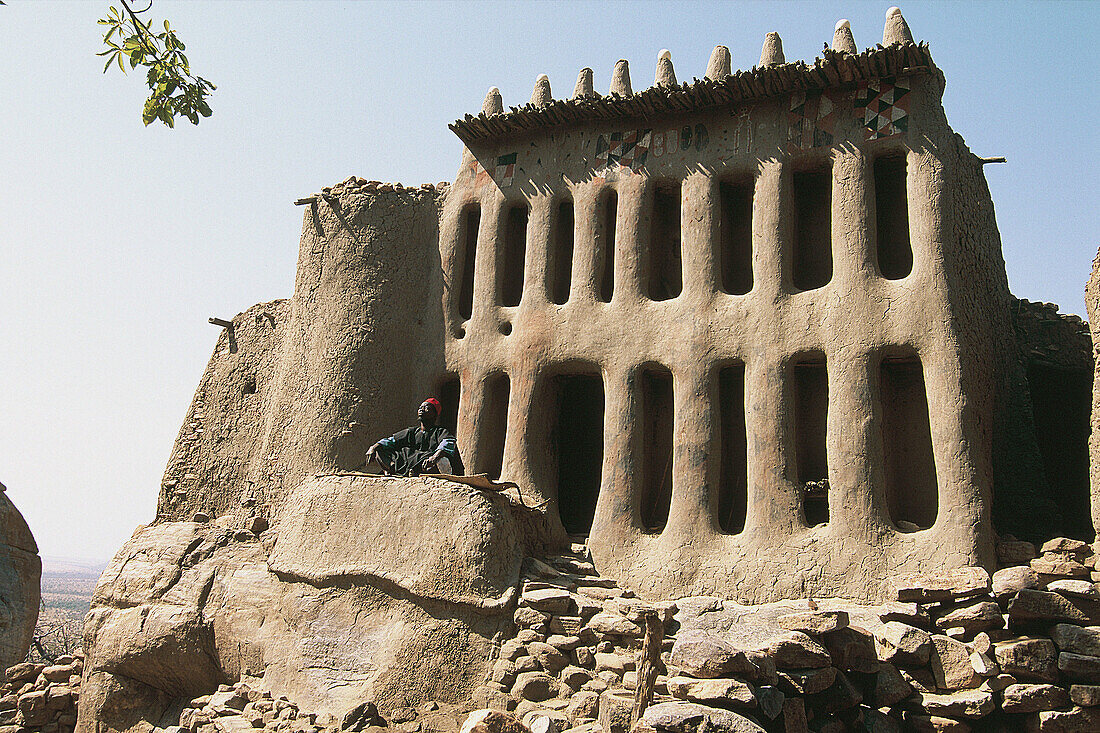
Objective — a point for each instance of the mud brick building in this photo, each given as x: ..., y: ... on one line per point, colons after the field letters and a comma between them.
x: 750, y: 335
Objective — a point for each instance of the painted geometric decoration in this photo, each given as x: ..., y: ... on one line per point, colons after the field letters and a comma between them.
x: 505, y: 170
x: 502, y: 172
x: 623, y: 149
x: 811, y: 120
x: 885, y: 107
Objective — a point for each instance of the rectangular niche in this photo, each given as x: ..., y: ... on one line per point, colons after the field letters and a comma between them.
x: 578, y: 442
x: 810, y: 379
x: 448, y: 393
x: 1061, y: 403
x: 492, y: 426
x: 656, y: 417
x: 561, y: 253
x: 812, y: 258
x: 734, y: 256
x: 733, y: 475
x: 608, y: 211
x: 664, y: 279
x: 471, y: 222
x: 895, y: 253
x: 912, y: 491
x: 515, y: 248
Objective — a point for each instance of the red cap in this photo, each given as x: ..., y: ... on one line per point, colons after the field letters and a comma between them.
x: 434, y: 403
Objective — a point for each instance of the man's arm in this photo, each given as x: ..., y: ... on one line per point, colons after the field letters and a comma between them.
x: 447, y: 448
x: 400, y: 439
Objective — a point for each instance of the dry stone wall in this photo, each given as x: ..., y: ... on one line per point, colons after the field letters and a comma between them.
x: 41, y: 698
x: 956, y: 651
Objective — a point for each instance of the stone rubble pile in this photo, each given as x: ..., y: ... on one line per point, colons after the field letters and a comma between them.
x: 956, y: 651
x: 243, y: 707
x: 41, y: 698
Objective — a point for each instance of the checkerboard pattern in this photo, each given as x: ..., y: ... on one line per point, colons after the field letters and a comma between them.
x: 885, y: 107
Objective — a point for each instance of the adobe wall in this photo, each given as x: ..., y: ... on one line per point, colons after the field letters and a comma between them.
x: 1051, y: 426
x: 208, y: 470
x: 312, y: 381
x: 1092, y: 303
x: 854, y: 320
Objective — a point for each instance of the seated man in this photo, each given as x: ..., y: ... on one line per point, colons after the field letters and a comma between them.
x: 424, y: 448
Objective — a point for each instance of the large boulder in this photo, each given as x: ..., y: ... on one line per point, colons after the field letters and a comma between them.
x: 687, y: 717
x: 338, y: 603
x: 20, y: 583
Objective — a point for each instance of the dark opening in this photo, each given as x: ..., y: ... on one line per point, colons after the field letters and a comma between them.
x: 448, y: 398
x: 813, y: 250
x: 895, y: 254
x: 733, y: 480
x: 735, y: 237
x: 811, y: 413
x: 515, y: 247
x: 657, y: 413
x: 665, y: 280
x: 605, y: 249
x: 492, y: 426
x: 561, y: 254
x: 579, y: 442
x: 250, y: 386
x: 912, y: 491
x: 1061, y: 400
x: 471, y: 221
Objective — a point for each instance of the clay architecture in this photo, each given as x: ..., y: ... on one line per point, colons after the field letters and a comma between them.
x: 749, y: 336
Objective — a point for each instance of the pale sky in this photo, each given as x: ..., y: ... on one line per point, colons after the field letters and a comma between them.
x: 118, y: 241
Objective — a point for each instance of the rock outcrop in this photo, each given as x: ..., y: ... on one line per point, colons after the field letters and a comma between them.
x: 20, y: 583
x: 368, y: 588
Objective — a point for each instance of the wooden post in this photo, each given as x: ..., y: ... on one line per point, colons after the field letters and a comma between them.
x: 648, y: 659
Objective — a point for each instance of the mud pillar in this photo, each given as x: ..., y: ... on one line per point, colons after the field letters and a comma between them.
x: 365, y: 338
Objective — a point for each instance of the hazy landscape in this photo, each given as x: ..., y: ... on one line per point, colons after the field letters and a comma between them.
x: 67, y: 586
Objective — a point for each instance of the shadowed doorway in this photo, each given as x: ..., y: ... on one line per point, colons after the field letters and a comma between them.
x: 578, y: 440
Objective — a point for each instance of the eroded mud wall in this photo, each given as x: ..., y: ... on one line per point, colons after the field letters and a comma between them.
x: 1092, y: 303
x: 305, y: 385
x: 208, y: 469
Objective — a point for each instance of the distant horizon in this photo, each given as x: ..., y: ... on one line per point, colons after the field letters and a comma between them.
x: 79, y: 561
